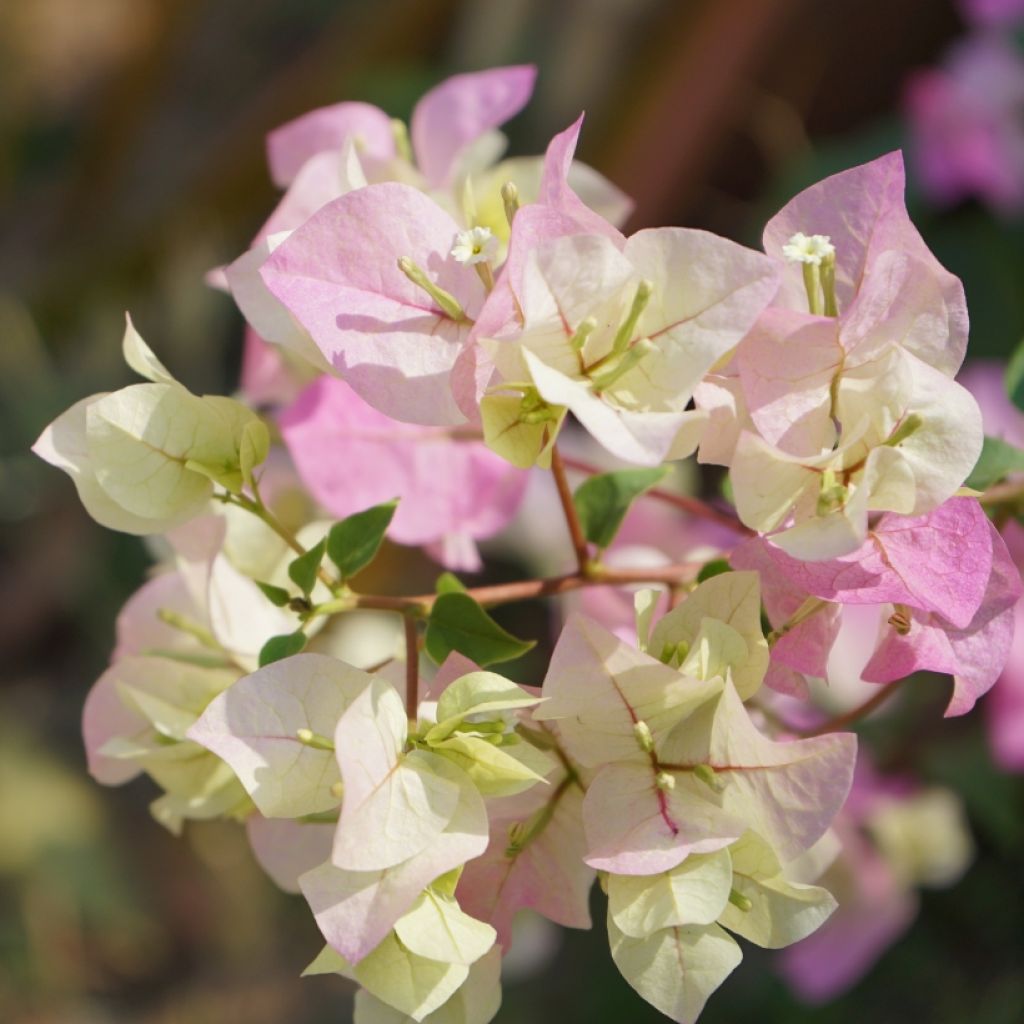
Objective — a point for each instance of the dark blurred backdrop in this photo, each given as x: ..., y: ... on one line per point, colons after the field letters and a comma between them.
x: 131, y: 161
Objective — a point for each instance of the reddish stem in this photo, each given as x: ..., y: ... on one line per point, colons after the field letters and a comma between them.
x: 860, y: 711
x: 525, y: 590
x: 572, y: 520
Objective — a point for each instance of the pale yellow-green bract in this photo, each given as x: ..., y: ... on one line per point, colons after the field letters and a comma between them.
x: 147, y: 458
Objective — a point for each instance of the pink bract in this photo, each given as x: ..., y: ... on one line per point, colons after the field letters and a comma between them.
x: 351, y: 456
x: 939, y: 562
x: 460, y: 110
x: 338, y: 276
x: 862, y: 210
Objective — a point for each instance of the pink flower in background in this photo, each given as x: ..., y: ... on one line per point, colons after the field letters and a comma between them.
x: 874, y: 911
x: 966, y: 124
x: 447, y: 120
x: 892, y: 837
x: 454, y: 491
x: 993, y: 12
x: 999, y: 416
x: 1005, y: 707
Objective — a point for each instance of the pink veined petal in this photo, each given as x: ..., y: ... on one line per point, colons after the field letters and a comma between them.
x: 547, y: 875
x: 635, y: 828
x: 556, y: 194
x: 787, y: 363
x: 939, y: 562
x: 322, y: 177
x: 901, y: 301
x: 803, y: 649
x: 461, y: 109
x: 351, y: 456
x: 974, y: 655
x: 501, y: 315
x: 862, y: 211
x: 291, y: 145
x: 338, y: 276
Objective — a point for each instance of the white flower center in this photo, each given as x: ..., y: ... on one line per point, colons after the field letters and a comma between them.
x: 811, y: 249
x: 477, y: 245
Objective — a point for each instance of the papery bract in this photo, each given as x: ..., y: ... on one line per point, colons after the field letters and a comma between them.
x: 396, y: 803
x: 694, y: 892
x: 937, y: 562
x: 599, y: 688
x: 287, y: 849
x: 356, y: 909
x: 734, y: 599
x: 632, y: 372
x: 454, y: 491
x: 534, y: 860
x: 257, y: 725
x: 460, y: 110
x: 780, y: 912
x: 787, y: 792
x: 146, y: 458
x: 338, y: 275
x: 477, y: 1000
x: 676, y: 969
x: 974, y: 653
x: 862, y: 212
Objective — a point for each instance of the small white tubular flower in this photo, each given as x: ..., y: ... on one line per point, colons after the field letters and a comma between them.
x: 477, y: 245
x: 811, y: 249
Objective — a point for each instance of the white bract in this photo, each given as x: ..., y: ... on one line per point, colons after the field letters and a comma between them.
x: 146, y: 459
x: 621, y: 338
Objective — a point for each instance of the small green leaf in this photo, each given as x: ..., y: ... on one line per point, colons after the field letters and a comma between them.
x: 449, y: 583
x: 284, y: 646
x: 458, y: 623
x: 603, y: 501
x: 275, y: 595
x: 353, y: 543
x: 303, y: 570
x: 713, y: 568
x: 1014, y: 377
x: 996, y: 460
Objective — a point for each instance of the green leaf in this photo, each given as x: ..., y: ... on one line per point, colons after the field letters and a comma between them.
x: 996, y: 460
x: 458, y: 623
x: 449, y: 583
x: 603, y: 501
x: 284, y: 646
x: 713, y: 568
x: 1014, y: 377
x: 303, y: 570
x: 353, y: 543
x: 275, y: 595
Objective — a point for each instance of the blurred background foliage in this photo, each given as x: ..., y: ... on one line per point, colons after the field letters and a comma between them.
x: 131, y: 161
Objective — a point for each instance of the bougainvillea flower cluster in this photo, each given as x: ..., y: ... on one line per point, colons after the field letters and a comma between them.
x: 431, y: 327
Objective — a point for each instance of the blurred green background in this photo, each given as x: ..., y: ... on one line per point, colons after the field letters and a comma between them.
x: 131, y: 161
